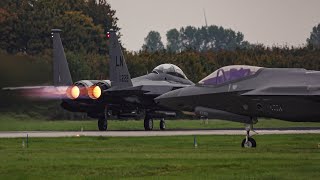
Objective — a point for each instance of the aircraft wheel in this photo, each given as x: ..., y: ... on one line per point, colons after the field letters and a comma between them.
x: 162, y: 124
x: 251, y: 143
x: 102, y: 124
x: 148, y: 123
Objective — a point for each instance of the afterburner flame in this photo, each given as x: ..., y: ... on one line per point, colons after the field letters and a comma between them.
x: 73, y: 92
x: 44, y: 92
x: 94, y: 92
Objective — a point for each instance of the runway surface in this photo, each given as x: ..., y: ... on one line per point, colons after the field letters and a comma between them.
x: 16, y: 134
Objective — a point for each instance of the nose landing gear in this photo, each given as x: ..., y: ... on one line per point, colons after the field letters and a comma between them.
x: 249, y: 142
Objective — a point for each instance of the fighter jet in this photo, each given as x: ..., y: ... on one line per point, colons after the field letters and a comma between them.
x: 120, y: 96
x: 244, y: 93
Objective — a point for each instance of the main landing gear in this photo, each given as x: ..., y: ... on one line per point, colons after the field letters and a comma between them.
x: 103, y: 124
x: 249, y: 142
x: 103, y: 121
x: 162, y: 124
x: 148, y: 123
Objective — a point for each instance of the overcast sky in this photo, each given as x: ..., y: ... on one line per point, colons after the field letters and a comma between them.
x: 271, y: 22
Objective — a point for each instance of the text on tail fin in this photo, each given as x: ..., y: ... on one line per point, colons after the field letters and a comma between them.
x: 119, y: 73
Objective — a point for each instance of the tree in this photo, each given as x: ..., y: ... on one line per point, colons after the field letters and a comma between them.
x: 173, y: 41
x: 25, y: 24
x: 80, y: 32
x: 314, y: 40
x: 8, y: 40
x: 101, y: 13
x: 189, y: 38
x: 152, y: 42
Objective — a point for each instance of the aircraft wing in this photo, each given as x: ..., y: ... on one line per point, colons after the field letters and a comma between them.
x: 219, y: 114
x: 135, y: 90
x: 158, y: 88
x: 143, y: 89
x: 285, y: 91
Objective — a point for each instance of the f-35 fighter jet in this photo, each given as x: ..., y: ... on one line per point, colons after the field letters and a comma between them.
x: 243, y: 93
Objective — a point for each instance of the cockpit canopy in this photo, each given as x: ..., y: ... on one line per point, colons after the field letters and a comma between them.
x: 169, y: 69
x: 229, y: 73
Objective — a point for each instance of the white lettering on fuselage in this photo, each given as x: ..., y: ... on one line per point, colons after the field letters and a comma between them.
x: 276, y: 108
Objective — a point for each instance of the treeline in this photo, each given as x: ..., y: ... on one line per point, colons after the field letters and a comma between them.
x: 211, y: 38
x: 25, y: 27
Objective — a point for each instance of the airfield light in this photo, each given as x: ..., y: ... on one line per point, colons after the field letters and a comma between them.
x: 73, y: 92
x: 94, y: 92
x: 108, y: 35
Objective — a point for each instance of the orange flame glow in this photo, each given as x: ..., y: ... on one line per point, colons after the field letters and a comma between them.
x: 94, y: 92
x: 73, y: 92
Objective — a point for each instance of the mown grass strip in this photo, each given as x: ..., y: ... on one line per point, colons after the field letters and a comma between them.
x: 216, y: 157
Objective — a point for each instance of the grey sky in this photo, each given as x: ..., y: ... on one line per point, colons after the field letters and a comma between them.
x: 271, y: 22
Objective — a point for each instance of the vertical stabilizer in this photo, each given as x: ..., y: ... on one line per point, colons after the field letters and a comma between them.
x: 119, y: 74
x: 61, y: 72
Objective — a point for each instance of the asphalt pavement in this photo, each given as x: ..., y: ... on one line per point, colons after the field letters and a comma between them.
x: 17, y: 134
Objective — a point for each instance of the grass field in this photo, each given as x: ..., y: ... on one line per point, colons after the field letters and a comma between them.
x: 9, y: 123
x: 216, y: 157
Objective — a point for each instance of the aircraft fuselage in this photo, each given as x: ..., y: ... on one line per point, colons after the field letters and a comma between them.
x: 287, y: 94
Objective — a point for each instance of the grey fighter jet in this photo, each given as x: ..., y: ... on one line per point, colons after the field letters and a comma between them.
x: 120, y: 96
x: 243, y: 93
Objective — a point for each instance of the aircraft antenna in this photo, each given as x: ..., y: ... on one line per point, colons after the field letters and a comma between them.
x: 205, y: 17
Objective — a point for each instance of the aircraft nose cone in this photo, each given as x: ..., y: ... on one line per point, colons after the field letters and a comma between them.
x: 168, y: 99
